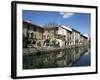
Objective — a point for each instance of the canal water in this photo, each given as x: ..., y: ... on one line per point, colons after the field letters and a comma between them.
x: 71, y: 57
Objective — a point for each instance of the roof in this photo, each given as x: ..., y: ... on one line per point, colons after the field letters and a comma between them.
x: 83, y: 36
x: 66, y: 27
x: 29, y: 23
x: 75, y: 30
x: 86, y: 35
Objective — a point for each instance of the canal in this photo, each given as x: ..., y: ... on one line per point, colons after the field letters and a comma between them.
x: 71, y: 57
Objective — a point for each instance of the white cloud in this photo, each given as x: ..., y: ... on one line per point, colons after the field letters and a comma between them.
x: 66, y: 14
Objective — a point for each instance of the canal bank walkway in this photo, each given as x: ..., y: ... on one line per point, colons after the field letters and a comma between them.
x: 27, y: 51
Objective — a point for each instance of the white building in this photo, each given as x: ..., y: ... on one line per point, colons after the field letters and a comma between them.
x: 64, y: 36
x: 75, y: 37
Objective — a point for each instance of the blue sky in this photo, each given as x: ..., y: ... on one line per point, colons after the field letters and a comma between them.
x: 78, y: 21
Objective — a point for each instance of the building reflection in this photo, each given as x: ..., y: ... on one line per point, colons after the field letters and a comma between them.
x: 54, y: 59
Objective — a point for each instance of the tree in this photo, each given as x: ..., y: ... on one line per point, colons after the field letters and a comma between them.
x: 52, y: 24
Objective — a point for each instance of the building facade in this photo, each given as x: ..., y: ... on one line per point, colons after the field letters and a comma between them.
x: 84, y: 40
x: 56, y: 36
x: 32, y: 34
x: 75, y: 37
x: 68, y: 35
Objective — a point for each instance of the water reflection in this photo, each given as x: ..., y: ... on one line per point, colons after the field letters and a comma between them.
x: 66, y: 58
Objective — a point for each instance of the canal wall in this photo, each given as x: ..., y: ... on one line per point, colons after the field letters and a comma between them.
x: 27, y: 51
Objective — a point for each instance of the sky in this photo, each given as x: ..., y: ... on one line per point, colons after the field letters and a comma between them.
x: 78, y: 21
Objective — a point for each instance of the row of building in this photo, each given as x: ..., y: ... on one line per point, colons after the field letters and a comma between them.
x: 54, y: 36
